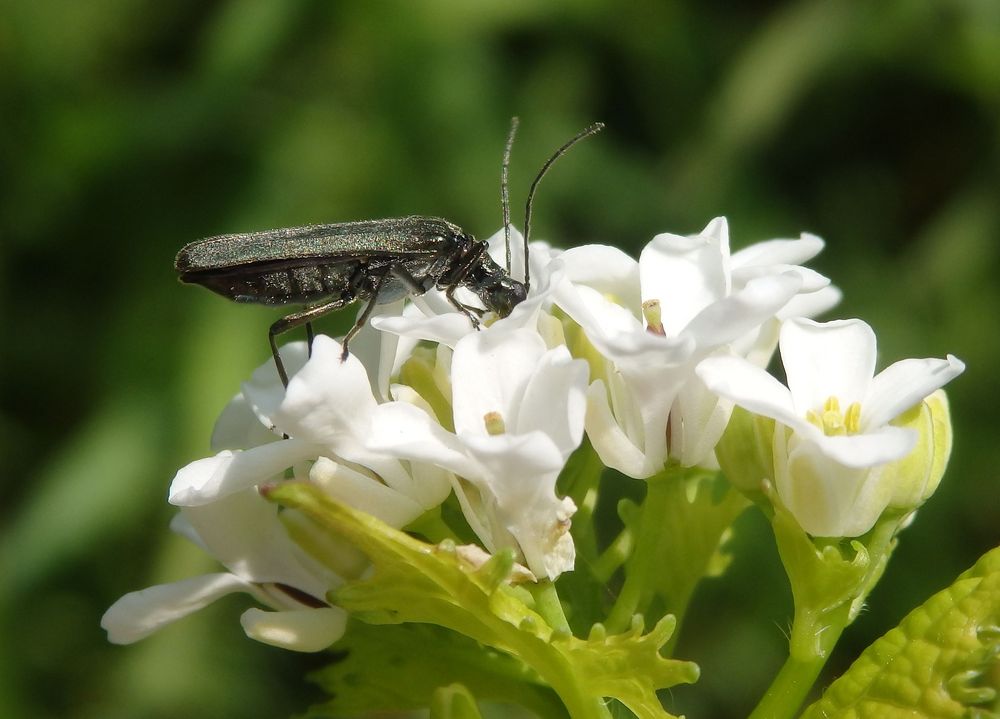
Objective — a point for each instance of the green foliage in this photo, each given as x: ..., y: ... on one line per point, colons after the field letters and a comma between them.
x: 415, y: 582
x: 413, y: 666
x: 941, y: 660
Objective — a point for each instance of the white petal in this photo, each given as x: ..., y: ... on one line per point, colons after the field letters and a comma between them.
x: 519, y: 482
x: 812, y: 281
x: 498, y: 251
x: 379, y: 352
x: 404, y: 431
x: 686, y: 274
x: 245, y: 533
x: 758, y: 345
x: 610, y: 442
x: 779, y: 252
x: 903, y: 384
x: 365, y: 493
x: 605, y: 269
x: 697, y: 420
x: 750, y: 387
x: 599, y: 316
x: 327, y: 397
x: 615, y: 332
x: 730, y: 317
x: 264, y: 390
x: 885, y: 444
x: 555, y: 400
x: 446, y: 329
x: 139, y: 614
x: 329, y: 402
x: 507, y: 456
x: 206, y: 480
x: 490, y: 371
x: 830, y: 359
x: 829, y: 499
x: 239, y: 427
x: 301, y: 630
x: 811, y: 304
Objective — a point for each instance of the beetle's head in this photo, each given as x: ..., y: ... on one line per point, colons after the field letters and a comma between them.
x: 503, y: 294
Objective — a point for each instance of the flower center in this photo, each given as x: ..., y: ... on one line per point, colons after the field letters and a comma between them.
x: 494, y: 423
x: 833, y: 422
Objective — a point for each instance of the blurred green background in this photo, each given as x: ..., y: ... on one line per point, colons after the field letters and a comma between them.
x: 129, y: 128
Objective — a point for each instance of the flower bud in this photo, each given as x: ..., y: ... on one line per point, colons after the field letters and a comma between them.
x: 916, y: 476
x: 744, y: 452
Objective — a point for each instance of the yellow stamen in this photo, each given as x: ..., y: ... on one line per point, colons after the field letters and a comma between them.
x: 833, y: 422
x: 654, y: 318
x: 494, y: 423
x: 852, y: 420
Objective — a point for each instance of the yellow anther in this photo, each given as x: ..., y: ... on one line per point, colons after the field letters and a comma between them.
x: 852, y: 420
x: 832, y: 421
x: 494, y: 423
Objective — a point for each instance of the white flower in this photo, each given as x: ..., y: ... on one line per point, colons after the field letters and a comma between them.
x: 518, y: 415
x: 654, y: 320
x: 828, y: 464
x: 326, y: 415
x: 244, y: 533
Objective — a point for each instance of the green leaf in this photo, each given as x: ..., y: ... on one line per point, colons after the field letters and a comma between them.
x: 941, y: 661
x: 416, y: 582
x: 412, y: 666
x: 454, y: 702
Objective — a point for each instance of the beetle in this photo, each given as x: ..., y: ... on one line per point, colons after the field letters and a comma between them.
x: 326, y: 267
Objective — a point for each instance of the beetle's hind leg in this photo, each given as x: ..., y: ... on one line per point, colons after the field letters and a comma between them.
x: 294, y: 320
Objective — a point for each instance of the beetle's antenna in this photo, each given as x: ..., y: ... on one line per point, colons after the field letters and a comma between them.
x: 505, y: 187
x: 586, y: 132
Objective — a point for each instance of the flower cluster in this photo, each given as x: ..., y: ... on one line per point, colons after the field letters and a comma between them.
x: 646, y: 358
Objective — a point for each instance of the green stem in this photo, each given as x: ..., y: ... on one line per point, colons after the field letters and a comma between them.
x: 613, y: 557
x: 636, y: 590
x: 548, y: 605
x: 792, y: 684
x: 579, y: 481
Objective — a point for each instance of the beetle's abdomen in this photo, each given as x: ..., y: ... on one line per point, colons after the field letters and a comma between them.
x: 281, y: 283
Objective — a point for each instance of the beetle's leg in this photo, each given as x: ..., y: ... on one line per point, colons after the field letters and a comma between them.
x: 365, y: 314
x: 294, y: 320
x: 310, y: 336
x: 464, y: 309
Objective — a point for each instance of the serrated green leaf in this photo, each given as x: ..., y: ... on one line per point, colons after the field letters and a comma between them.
x: 415, y: 582
x: 406, y: 666
x: 941, y: 661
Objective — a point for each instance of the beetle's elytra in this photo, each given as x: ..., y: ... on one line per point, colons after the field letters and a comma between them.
x: 326, y: 267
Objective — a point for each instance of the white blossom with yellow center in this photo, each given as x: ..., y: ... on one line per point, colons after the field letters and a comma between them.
x: 828, y: 462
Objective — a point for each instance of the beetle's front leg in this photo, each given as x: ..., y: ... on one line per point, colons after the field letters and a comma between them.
x: 473, y: 313
x: 294, y: 320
